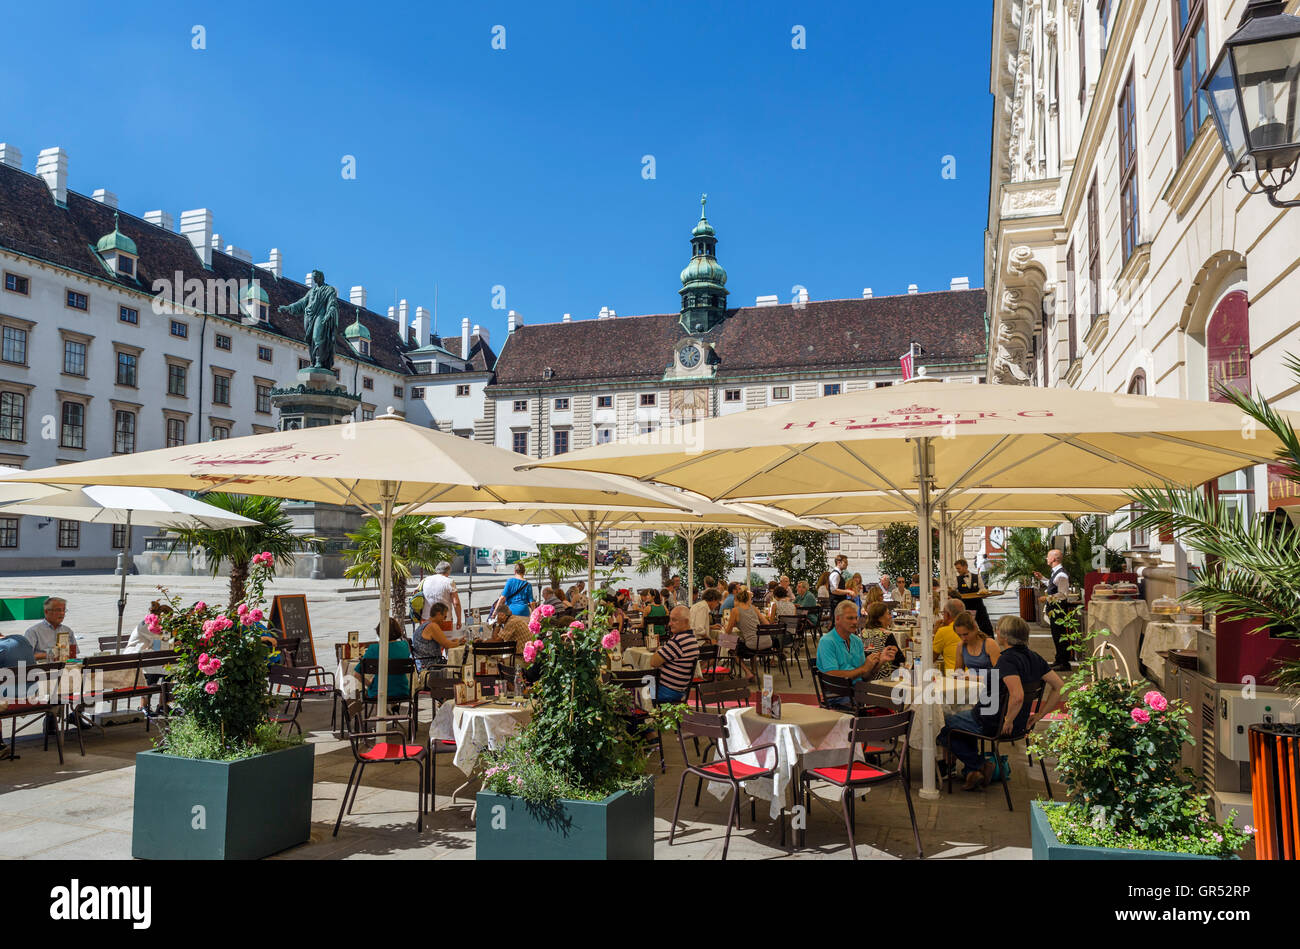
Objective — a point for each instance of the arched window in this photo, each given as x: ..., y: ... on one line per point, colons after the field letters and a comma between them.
x: 1138, y: 384
x: 1227, y: 345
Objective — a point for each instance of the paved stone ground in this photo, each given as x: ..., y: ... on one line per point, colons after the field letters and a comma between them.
x: 83, y: 809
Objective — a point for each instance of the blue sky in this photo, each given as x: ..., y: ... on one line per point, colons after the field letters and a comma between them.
x: 523, y: 167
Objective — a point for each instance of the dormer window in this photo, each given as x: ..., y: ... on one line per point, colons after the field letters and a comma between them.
x: 363, y: 347
x: 126, y: 265
x: 118, y: 252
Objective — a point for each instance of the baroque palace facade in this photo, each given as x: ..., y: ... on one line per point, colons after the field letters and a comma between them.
x: 1118, y: 256
x: 123, y: 333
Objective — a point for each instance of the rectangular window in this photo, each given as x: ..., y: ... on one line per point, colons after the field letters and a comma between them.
x: 126, y: 314
x: 519, y: 442
x: 181, y: 330
x: 123, y: 433
x: 72, y: 433
x: 264, y: 353
x: 175, y: 432
x: 8, y: 532
x: 176, y: 379
x: 417, y: 392
x: 220, y: 432
x: 220, y: 389
x: 561, y: 405
x: 367, y: 382
x: 264, y: 399
x: 731, y: 395
x: 831, y: 388
x: 74, y: 357
x: 647, y: 428
x: 780, y: 393
x: 1071, y: 304
x: 604, y: 401
x: 832, y: 541
x: 1103, y: 15
x: 1128, y: 178
x: 1083, y: 55
x: 13, y: 416
x: 119, y: 536
x: 462, y: 391
x: 77, y: 301
x: 302, y: 364
x: 397, y: 392
x: 223, y: 342
x: 647, y: 537
x: 561, y: 442
x: 17, y: 284
x: 69, y: 535
x: 125, y: 266
x: 367, y: 415
x: 521, y: 405
x: 649, y: 399
x: 127, y: 366
x: 1191, y: 61
x: 604, y: 436
x: 1094, y: 254
x: 15, y: 345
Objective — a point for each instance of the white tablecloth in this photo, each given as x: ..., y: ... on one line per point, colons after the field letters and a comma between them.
x: 804, y: 735
x: 478, y: 729
x: 637, y: 657
x: 1125, y: 619
x: 1160, y: 637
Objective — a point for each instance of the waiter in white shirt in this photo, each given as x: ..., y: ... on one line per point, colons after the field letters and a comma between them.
x: 1055, y: 590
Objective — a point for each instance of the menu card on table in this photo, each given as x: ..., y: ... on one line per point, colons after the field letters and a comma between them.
x: 354, y: 644
x: 765, y: 706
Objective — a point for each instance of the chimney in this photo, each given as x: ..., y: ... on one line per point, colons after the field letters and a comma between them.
x: 960, y: 283
x: 464, y: 337
x: 402, y: 315
x: 11, y: 155
x: 275, y: 264
x: 358, y: 296
x: 803, y: 295
x: 567, y: 319
x: 160, y: 219
x: 392, y: 313
x: 604, y: 313
x: 911, y: 288
x: 514, y: 320
x: 216, y: 242
x: 197, y: 226
x: 423, y: 324
x: 770, y: 300
x: 483, y: 334
x: 52, y: 165
x: 104, y: 196
x: 239, y: 253
x: 866, y: 293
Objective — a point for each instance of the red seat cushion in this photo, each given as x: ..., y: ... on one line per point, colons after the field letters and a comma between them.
x: 738, y: 768
x: 445, y: 742
x: 387, y: 752
x: 841, y: 775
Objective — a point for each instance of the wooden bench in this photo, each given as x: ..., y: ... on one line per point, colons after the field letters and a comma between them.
x: 137, y: 664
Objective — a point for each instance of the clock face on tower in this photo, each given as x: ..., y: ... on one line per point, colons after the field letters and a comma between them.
x: 689, y: 356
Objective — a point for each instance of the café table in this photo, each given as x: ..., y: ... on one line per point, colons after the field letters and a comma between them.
x: 638, y: 657
x: 479, y: 727
x: 1126, y: 619
x: 1161, y: 636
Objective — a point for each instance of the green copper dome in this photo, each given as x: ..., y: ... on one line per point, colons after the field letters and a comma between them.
x: 704, y: 281
x: 356, y: 331
x: 704, y: 270
x: 255, y: 292
x: 116, y: 241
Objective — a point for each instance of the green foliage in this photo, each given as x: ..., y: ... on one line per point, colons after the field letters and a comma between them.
x: 898, y: 550
x: 785, y: 554
x: 1087, y: 549
x: 237, y: 546
x: 556, y: 561
x: 1025, y: 551
x: 578, y: 744
x: 418, y: 544
x: 711, y: 558
x: 660, y: 554
x: 186, y: 738
x: 1072, y: 825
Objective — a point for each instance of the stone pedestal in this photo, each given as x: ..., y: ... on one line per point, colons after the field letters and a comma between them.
x: 317, y: 399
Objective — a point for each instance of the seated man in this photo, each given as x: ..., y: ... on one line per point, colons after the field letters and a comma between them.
x: 702, y: 615
x: 45, y: 634
x: 946, y: 642
x: 551, y: 598
x: 676, y: 656
x: 729, y: 600
x: 512, y: 629
x: 841, y: 652
x: 1018, y: 669
x: 805, y: 599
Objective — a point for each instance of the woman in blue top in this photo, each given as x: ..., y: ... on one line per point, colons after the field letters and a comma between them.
x: 518, y: 594
x: 399, y: 686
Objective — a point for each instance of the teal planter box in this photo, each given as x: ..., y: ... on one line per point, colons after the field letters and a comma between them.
x: 1047, y: 847
x: 187, y: 809
x: 621, y: 827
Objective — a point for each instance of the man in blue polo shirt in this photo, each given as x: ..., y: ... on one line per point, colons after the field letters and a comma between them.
x: 841, y: 653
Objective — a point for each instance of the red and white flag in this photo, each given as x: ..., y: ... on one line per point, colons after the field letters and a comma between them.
x: 906, y: 362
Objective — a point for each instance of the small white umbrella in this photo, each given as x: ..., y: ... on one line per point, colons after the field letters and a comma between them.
x: 115, y: 504
x: 475, y: 533
x: 551, y: 533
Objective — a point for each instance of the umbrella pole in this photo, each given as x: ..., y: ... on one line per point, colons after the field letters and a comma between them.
x: 387, y: 495
x: 121, y: 590
x: 945, y: 553
x: 690, y: 566
x: 591, y: 572
x: 929, y: 786
x: 749, y: 556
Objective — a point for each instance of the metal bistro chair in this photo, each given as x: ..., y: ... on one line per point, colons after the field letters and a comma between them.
x: 796, y: 631
x: 724, y: 768
x: 440, y: 691
x: 295, y: 680
x: 631, y: 637
x: 503, y: 654
x: 710, y: 667
x: 776, y: 633
x: 369, y: 668
x: 853, y: 776
x: 1033, y: 695
x: 384, y: 750
x: 638, y: 719
x: 324, y: 684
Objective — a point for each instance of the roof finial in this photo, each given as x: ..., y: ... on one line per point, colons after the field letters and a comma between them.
x: 115, y: 212
x: 704, y: 199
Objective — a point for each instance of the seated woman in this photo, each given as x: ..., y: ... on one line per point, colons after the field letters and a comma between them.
x: 653, y: 610
x: 782, y: 605
x: 979, y: 653
x: 431, y: 640
x: 399, y: 686
x: 854, y: 586
x: 143, y: 640
x: 744, y: 621
x: 824, y: 586
x: 877, y: 632
x: 902, y: 595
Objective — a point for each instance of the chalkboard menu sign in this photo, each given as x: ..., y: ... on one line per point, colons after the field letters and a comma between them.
x: 289, y: 616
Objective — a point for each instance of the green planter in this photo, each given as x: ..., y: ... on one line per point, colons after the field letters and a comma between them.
x: 1047, y: 847
x: 187, y: 809
x: 621, y: 827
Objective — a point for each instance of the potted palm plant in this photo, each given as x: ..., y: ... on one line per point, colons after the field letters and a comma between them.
x: 418, y: 544
x: 659, y: 554
x: 221, y: 782
x: 1251, y: 574
x: 1025, y: 550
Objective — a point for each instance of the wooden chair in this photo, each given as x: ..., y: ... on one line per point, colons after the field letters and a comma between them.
x: 1033, y: 695
x: 53, y: 711
x: 385, y: 750
x: 853, y: 776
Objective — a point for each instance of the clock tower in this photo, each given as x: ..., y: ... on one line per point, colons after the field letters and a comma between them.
x: 704, y: 282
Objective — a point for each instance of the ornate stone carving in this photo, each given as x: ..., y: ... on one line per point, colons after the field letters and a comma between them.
x: 1019, y: 312
x: 1037, y: 199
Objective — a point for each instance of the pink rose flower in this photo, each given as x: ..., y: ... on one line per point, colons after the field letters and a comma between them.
x: 530, y: 652
x: 1156, y: 700
x: 577, y: 624
x: 200, y: 606
x: 254, y: 615
x: 1140, y: 715
x: 610, y: 640
x: 535, y: 616
x: 153, y: 623
x: 534, y: 627
x: 205, y: 637
x: 211, y: 687
x: 546, y: 609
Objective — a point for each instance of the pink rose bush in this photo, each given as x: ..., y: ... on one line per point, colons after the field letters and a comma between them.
x: 1156, y: 701
x: 610, y: 640
x: 1140, y: 715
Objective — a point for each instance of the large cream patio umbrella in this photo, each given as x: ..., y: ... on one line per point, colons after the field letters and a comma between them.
x: 385, y: 467
x: 926, y: 441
